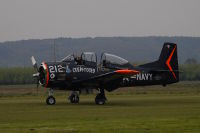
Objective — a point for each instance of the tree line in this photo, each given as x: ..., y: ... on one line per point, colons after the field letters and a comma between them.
x: 190, y: 72
x: 23, y: 75
x: 17, y: 75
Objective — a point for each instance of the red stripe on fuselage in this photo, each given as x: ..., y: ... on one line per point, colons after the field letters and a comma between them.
x: 168, y: 62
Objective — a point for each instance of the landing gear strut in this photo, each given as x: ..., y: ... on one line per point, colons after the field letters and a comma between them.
x: 100, y: 99
x: 50, y: 99
x: 74, y: 97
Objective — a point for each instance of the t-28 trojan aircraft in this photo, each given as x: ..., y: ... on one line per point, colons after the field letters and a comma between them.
x: 78, y: 72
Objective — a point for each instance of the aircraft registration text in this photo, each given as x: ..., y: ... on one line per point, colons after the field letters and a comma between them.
x: 142, y: 76
x: 82, y: 69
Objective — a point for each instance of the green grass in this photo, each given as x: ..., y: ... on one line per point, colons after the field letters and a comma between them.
x: 139, y: 110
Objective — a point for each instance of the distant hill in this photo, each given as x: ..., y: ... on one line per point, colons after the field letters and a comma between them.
x: 134, y: 49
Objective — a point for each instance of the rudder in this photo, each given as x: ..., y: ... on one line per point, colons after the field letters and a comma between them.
x: 169, y: 60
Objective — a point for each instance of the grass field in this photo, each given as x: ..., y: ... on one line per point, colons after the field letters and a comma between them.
x: 174, y: 109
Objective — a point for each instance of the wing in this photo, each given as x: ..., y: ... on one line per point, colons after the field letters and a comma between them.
x: 106, y: 77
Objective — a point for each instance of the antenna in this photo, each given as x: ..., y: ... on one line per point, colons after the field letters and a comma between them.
x: 54, y: 49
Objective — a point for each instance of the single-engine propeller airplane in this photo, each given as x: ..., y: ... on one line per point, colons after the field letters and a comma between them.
x: 78, y: 72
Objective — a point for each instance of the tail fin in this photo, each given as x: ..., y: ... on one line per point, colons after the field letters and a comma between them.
x: 167, y: 63
x: 169, y: 59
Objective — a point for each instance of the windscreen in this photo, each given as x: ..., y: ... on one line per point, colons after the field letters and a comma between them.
x: 68, y: 58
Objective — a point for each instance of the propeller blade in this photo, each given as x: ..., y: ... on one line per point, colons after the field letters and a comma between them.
x: 36, y: 75
x: 34, y: 63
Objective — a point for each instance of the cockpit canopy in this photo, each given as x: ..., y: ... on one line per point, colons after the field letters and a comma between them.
x: 113, y: 61
x: 90, y: 59
x: 86, y: 58
x: 68, y: 58
x: 89, y: 56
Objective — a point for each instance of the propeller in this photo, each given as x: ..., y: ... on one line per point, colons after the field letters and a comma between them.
x: 36, y: 75
x: 34, y: 63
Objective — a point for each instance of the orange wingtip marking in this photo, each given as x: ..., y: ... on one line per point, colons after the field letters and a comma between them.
x: 127, y: 71
x: 168, y: 62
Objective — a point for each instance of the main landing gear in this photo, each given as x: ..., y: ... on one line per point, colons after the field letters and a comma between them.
x: 74, y: 97
x: 50, y: 99
x: 100, y: 99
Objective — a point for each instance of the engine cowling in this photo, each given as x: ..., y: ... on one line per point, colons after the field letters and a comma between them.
x: 52, y: 73
x: 43, y: 74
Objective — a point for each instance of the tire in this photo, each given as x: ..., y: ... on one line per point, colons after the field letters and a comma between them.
x: 74, y: 98
x: 51, y: 100
x: 100, y: 101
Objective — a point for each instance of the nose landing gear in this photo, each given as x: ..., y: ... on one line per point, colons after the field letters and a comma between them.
x: 50, y: 99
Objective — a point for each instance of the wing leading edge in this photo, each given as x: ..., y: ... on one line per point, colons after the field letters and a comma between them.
x: 107, y: 77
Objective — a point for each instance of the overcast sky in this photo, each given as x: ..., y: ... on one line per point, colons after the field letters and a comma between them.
x: 31, y: 19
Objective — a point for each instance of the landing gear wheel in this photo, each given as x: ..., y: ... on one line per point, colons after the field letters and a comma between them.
x: 100, y: 99
x: 50, y: 100
x: 74, y: 98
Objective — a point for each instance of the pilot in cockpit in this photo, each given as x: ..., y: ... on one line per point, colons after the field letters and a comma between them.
x: 78, y: 60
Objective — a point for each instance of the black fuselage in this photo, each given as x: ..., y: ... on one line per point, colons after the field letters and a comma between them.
x: 112, y: 72
x: 81, y: 72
